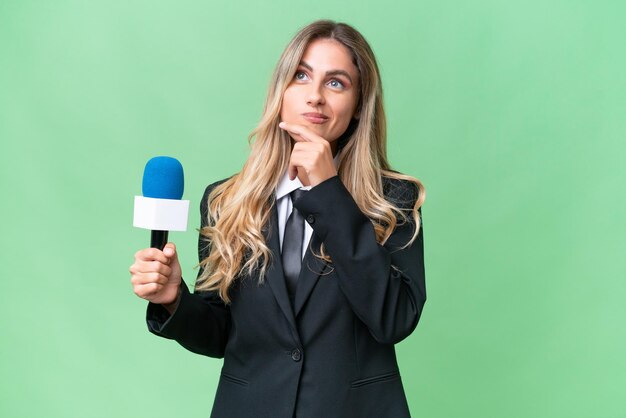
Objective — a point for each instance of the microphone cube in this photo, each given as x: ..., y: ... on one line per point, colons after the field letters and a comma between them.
x: 160, y: 214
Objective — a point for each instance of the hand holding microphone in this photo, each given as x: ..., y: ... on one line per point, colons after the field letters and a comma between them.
x: 156, y: 272
x: 156, y: 275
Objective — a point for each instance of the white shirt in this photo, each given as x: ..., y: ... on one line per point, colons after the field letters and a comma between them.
x: 284, y: 206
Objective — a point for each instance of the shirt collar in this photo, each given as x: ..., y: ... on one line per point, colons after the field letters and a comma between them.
x: 286, y: 186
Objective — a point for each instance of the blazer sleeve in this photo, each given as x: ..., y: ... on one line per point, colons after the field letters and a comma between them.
x: 388, y: 300
x: 201, y: 321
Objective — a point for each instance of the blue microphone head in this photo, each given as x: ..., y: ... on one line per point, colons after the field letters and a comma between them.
x: 163, y: 179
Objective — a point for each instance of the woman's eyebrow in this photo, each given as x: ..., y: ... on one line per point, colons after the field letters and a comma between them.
x: 331, y: 73
x: 340, y: 72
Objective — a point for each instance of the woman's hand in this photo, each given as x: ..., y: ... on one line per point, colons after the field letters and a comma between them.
x: 311, y: 156
x: 156, y: 275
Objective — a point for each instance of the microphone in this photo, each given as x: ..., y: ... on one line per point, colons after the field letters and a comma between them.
x: 161, y: 209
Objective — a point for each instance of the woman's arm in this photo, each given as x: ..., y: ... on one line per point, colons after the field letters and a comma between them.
x: 388, y: 301
x: 199, y: 321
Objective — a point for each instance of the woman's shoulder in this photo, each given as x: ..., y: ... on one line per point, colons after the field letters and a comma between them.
x: 213, y: 185
x: 403, y: 193
x: 204, y: 202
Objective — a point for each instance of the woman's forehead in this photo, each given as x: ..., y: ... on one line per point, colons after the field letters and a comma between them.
x: 329, y: 55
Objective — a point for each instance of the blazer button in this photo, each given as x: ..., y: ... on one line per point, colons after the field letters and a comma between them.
x: 296, y: 355
x: 310, y: 219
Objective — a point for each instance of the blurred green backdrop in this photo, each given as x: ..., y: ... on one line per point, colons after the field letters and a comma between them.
x: 511, y: 113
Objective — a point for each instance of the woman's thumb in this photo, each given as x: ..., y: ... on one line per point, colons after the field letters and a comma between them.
x: 169, y: 250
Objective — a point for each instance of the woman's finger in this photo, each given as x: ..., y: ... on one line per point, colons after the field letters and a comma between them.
x: 151, y: 266
x: 297, y: 160
x: 301, y: 132
x: 147, y: 290
x: 151, y: 254
x: 145, y: 278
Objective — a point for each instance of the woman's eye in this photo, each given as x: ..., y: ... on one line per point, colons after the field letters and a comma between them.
x: 336, y: 84
x: 300, y: 75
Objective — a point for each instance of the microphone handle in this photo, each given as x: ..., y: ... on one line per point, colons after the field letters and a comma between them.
x: 158, y: 239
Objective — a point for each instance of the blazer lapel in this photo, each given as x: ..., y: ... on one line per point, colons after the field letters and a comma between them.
x: 274, y: 274
x: 312, y: 268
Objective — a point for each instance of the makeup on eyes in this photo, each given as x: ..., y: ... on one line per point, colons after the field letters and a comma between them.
x: 338, y: 75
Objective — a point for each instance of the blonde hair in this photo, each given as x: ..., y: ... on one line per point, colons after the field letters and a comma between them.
x: 239, y: 208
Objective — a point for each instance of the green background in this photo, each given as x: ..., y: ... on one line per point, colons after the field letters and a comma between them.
x: 511, y: 113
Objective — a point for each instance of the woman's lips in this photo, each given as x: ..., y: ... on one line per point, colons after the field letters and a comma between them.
x: 315, y: 117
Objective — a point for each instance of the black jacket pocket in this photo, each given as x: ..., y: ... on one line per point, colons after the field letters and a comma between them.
x: 375, y: 379
x: 233, y: 379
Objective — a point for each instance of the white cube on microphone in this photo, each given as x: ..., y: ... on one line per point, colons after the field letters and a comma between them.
x: 160, y: 214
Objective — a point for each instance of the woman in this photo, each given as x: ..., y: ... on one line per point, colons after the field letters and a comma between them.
x: 312, y: 337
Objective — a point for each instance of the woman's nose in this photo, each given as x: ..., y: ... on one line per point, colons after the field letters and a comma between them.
x: 315, y: 96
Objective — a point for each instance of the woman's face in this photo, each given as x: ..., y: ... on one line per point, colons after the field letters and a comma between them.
x: 324, y: 92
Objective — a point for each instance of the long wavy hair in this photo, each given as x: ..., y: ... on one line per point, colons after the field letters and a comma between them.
x: 240, y: 207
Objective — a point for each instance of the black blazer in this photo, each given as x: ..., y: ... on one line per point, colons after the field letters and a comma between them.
x: 332, y: 354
